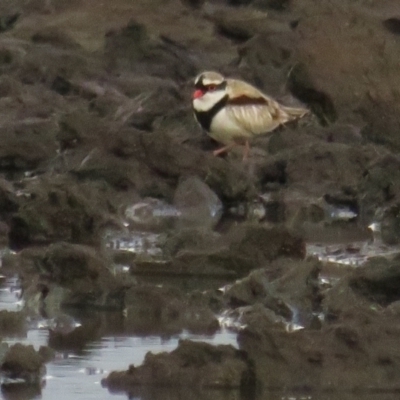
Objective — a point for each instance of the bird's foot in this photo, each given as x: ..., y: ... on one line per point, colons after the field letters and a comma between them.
x: 223, y: 149
x: 246, y: 151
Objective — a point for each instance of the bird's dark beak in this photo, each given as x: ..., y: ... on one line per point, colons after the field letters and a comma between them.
x: 198, y: 93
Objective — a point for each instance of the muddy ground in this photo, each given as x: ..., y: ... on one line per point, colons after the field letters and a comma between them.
x: 106, y: 179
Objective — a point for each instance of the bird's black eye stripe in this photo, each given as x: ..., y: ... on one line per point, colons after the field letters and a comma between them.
x: 200, y: 85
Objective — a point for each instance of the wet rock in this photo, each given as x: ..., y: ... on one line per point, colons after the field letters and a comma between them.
x: 351, y: 61
x: 140, y: 104
x: 62, y: 61
x: 237, y: 24
x: 79, y: 128
x: 378, y: 281
x: 133, y: 48
x: 365, y: 293
x: 267, y: 57
x: 254, y: 289
x: 91, y: 153
x: 7, y: 22
x: 20, y: 391
x: 317, y: 359
x: 299, y: 289
x: 313, y: 193
x: 243, y: 248
x: 189, y: 251
x: 273, y: 4
x: 152, y: 214
x: 8, y: 199
x: 167, y: 311
x: 149, y: 309
x: 72, y: 275
x: 62, y: 324
x: 163, y: 154
x: 12, y: 323
x: 320, y: 102
x: 240, y: 317
x: 192, y: 364
x: 78, y: 338
x: 85, y: 273
x: 53, y: 36
x: 4, y: 230
x: 286, y: 139
x: 11, y: 55
x: 9, y: 87
x: 57, y: 210
x: 238, y: 2
x: 348, y: 305
x: 392, y: 25
x: 23, y: 364
x: 278, y: 5
x: 359, y: 311
x: 390, y: 224
x: 322, y: 195
x: 251, y: 245
x: 27, y: 143
x: 381, y: 186
x: 298, y: 54
x: 198, y: 204
x: 199, y: 316
x: 255, y: 211
x: 46, y: 353
x: 119, y: 173
x: 330, y: 165
x: 346, y: 134
x: 146, y: 90
x: 302, y: 212
x: 134, y: 141
x: 293, y: 294
x: 193, y: 3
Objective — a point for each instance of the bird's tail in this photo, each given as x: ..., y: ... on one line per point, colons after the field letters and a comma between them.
x: 295, y: 113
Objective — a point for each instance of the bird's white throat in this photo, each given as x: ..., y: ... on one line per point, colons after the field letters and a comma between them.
x: 208, y: 100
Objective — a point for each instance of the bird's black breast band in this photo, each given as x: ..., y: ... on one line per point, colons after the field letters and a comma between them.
x: 204, y: 118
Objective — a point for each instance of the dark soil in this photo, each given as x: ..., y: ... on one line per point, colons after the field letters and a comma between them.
x: 102, y: 166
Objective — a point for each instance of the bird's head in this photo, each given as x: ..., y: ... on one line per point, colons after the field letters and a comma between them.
x: 210, y: 89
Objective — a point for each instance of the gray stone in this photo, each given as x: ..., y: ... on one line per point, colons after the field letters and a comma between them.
x: 198, y: 204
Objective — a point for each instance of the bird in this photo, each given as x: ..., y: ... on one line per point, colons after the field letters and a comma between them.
x: 233, y: 111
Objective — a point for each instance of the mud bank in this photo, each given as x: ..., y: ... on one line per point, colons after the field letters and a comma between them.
x: 109, y: 193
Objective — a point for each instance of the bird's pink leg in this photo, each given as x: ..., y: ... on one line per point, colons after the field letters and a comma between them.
x: 224, y: 149
x: 246, y: 150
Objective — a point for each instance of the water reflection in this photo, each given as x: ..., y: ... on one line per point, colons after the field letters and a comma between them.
x: 353, y: 254
x: 89, y: 345
x: 78, y: 370
x: 10, y: 294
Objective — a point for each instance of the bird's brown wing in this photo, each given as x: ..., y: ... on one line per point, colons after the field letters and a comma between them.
x: 256, y: 112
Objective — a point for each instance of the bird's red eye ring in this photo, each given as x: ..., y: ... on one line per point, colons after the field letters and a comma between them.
x: 211, y: 88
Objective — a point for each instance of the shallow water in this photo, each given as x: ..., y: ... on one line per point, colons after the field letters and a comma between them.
x: 352, y: 254
x: 77, y: 376
x: 10, y: 293
x: 76, y: 371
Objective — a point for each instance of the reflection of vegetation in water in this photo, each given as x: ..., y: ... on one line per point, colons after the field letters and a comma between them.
x: 145, y: 246
x: 354, y: 254
x: 10, y: 294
